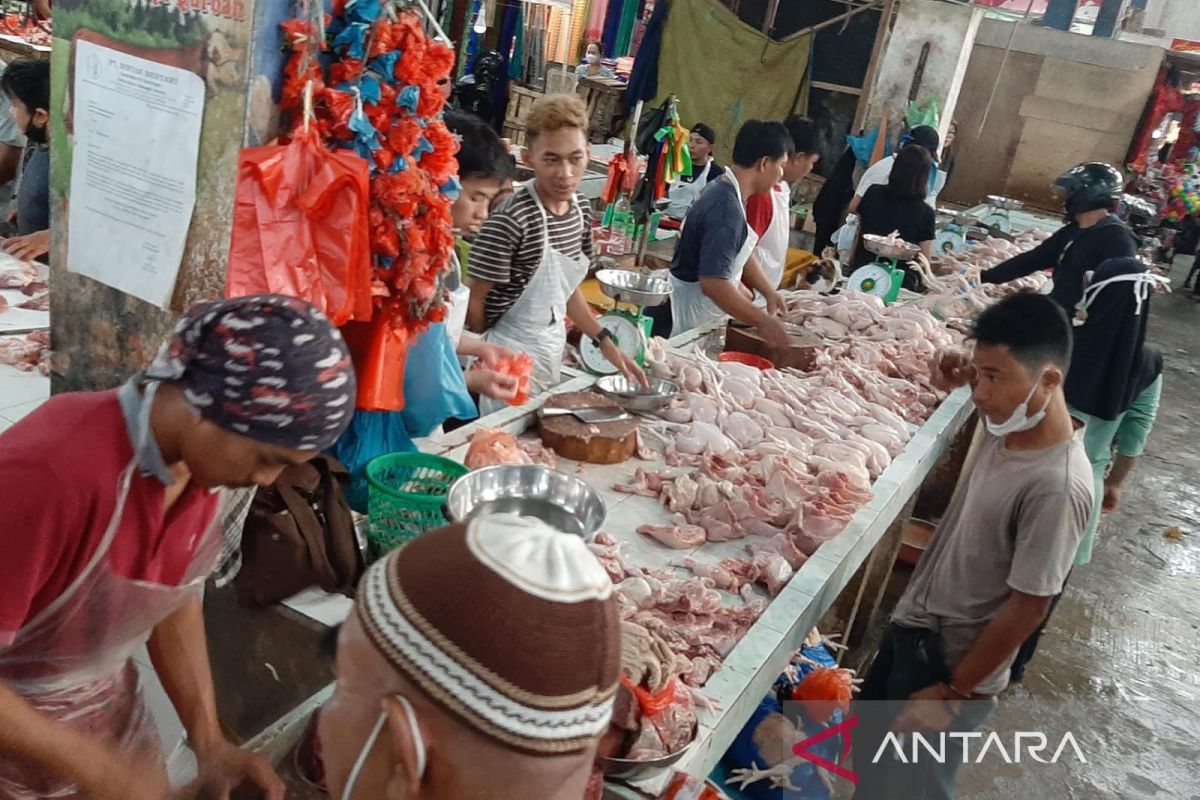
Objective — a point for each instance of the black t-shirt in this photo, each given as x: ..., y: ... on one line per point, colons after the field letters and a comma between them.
x: 880, y: 213
x: 1071, y: 252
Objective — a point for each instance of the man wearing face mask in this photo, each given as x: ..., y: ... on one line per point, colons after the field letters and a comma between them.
x: 1000, y: 555
x: 435, y: 700
x: 26, y: 84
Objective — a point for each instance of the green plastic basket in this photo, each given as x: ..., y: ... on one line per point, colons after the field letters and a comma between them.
x: 407, y: 492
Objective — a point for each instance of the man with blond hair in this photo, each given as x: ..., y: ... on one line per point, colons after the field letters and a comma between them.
x: 533, y: 253
x: 437, y: 700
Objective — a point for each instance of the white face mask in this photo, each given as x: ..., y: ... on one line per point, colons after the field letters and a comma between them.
x: 593, y: 58
x: 418, y: 743
x: 1019, y: 420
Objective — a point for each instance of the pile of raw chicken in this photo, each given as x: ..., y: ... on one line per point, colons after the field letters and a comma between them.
x: 954, y: 291
x: 30, y: 352
x: 779, y: 459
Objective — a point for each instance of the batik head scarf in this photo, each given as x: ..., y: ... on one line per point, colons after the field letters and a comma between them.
x: 268, y: 367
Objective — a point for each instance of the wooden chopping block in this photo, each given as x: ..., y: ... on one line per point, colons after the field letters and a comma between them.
x: 596, y: 443
x: 801, y: 352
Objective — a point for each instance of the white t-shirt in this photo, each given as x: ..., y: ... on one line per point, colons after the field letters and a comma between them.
x: 878, y: 173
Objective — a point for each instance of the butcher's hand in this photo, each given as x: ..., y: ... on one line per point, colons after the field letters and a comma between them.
x: 490, y: 354
x: 774, y: 304
x: 930, y: 709
x: 774, y: 332
x: 224, y: 767
x: 30, y: 246
x: 628, y: 367
x: 951, y: 369
x: 495, y: 385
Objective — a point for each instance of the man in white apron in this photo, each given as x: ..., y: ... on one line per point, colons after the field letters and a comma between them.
x: 714, y: 273
x: 770, y: 214
x: 532, y: 254
x: 705, y: 170
x: 111, y: 527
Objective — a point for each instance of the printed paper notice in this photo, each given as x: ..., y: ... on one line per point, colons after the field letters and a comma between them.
x: 133, y: 174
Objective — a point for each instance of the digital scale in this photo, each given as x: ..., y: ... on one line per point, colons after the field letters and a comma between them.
x: 883, y: 277
x: 631, y: 330
x: 998, y: 216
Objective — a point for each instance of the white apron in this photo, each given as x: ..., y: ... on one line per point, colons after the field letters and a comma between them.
x: 773, y: 246
x: 682, y: 194
x: 457, y: 300
x: 536, y: 323
x: 72, y: 661
x: 690, y: 308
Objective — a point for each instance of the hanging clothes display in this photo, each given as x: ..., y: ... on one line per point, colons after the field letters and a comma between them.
x: 612, y: 26
x: 578, y: 23
x: 516, y: 63
x: 597, y: 13
x: 643, y: 81
x: 629, y: 14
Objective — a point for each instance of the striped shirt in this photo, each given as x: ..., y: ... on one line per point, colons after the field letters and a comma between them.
x: 508, y: 248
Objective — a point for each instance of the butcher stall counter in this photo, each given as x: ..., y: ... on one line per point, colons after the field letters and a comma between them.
x: 751, y: 667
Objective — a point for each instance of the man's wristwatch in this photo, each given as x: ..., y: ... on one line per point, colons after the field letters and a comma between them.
x: 599, y: 338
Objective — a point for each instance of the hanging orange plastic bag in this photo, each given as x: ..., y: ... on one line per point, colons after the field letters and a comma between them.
x: 300, y: 226
x: 379, y: 349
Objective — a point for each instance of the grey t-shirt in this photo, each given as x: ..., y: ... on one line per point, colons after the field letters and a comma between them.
x: 713, y: 234
x: 33, y: 192
x: 1013, y: 524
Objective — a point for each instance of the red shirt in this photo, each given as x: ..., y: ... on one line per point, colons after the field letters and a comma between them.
x: 61, y: 468
x: 760, y: 209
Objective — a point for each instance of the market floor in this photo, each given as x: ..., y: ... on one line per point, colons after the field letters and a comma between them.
x: 1118, y: 666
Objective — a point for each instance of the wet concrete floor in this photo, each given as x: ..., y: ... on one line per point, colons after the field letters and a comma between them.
x: 1119, y: 665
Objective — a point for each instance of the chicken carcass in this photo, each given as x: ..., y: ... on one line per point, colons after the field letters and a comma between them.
x: 679, y: 535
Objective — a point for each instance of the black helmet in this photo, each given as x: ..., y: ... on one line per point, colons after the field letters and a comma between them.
x: 1091, y: 186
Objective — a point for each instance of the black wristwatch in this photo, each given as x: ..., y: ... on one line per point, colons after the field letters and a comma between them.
x: 604, y: 333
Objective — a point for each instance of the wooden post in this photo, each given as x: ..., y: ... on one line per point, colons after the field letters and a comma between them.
x: 769, y: 19
x: 864, y: 100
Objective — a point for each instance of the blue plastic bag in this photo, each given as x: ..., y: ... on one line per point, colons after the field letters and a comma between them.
x: 371, y: 434
x: 434, y: 387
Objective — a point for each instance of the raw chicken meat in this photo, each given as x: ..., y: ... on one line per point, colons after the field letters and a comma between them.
x: 28, y: 352
x: 491, y: 446
x: 40, y: 302
x: 15, y: 273
x: 679, y: 534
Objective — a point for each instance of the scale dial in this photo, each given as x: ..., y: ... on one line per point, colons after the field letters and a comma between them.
x: 626, y: 333
x: 999, y: 218
x: 949, y: 240
x: 871, y: 279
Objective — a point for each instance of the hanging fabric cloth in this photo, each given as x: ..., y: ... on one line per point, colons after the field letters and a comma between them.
x: 629, y: 15
x: 612, y: 26
x: 578, y: 23
x: 597, y: 13
x: 643, y: 81
x: 508, y: 18
x: 516, y: 64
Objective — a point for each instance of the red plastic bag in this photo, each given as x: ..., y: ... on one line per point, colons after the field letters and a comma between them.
x: 379, y: 350
x: 300, y: 227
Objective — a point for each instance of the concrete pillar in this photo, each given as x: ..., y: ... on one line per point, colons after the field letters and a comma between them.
x: 102, y: 335
x: 949, y: 30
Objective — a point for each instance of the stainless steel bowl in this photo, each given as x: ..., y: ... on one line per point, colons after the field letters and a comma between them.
x: 629, y: 286
x: 562, y: 501
x: 996, y: 201
x: 632, y: 396
x: 629, y: 768
x: 880, y: 246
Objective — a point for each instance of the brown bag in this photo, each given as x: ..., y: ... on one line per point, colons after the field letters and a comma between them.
x: 299, y: 533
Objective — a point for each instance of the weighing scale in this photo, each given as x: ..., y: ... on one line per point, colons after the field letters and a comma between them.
x: 952, y: 238
x: 631, y: 331
x: 883, y: 277
x: 998, y: 215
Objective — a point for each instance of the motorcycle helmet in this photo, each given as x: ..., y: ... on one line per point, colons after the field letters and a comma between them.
x: 1090, y: 186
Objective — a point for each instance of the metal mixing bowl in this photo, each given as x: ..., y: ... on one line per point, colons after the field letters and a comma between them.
x: 996, y: 201
x: 632, y: 396
x: 629, y: 768
x: 880, y: 246
x: 638, y: 288
x: 563, y: 501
